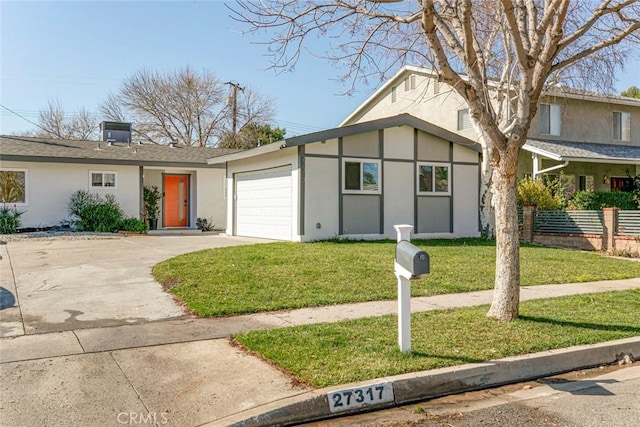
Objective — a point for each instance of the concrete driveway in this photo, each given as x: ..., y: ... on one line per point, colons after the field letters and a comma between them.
x: 58, y: 285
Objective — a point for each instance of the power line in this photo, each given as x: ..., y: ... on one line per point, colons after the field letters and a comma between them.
x: 22, y: 117
x: 293, y: 127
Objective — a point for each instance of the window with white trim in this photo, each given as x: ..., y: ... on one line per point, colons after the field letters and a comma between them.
x: 13, y: 186
x: 464, y: 122
x: 100, y: 179
x: 549, y: 119
x: 433, y: 179
x: 621, y: 126
x: 361, y: 176
x: 394, y: 97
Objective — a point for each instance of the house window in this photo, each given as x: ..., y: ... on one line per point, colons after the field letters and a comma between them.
x: 394, y: 97
x: 550, y: 119
x: 433, y: 179
x: 621, y: 126
x: 585, y: 183
x: 436, y: 87
x: 464, y: 122
x: 13, y: 186
x: 410, y: 83
x: 99, y: 179
x: 361, y: 176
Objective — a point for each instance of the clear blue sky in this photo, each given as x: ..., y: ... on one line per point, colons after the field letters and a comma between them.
x: 78, y: 52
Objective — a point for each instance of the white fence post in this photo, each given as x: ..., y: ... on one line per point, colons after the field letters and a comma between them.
x: 404, y: 296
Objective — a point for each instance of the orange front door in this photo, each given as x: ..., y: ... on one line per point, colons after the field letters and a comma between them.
x: 176, y: 200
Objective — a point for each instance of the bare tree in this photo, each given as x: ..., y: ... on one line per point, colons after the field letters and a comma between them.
x: 182, y: 107
x: 53, y: 122
x: 498, y: 55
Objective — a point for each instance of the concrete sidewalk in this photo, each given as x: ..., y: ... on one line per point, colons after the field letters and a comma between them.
x: 185, y: 372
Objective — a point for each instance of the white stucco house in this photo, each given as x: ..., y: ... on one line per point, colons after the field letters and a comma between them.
x: 48, y: 171
x: 356, y: 181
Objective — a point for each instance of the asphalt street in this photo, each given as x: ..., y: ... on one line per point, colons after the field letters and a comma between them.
x: 591, y: 398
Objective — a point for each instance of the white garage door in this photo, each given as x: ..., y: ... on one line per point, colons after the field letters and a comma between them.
x: 263, y: 204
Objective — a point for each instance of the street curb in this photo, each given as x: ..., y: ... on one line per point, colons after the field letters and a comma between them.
x: 424, y: 385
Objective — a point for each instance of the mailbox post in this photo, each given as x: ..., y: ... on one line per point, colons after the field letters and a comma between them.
x: 411, y: 263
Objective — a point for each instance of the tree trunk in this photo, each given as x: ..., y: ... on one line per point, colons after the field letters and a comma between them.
x: 506, y: 293
x: 487, y: 214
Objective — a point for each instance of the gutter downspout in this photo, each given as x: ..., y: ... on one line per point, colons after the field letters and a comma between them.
x: 537, y: 172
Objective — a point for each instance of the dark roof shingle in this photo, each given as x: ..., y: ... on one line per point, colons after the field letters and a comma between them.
x: 588, y: 151
x: 18, y: 148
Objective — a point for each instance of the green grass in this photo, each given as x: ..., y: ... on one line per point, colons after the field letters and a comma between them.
x: 328, y: 354
x: 274, y: 276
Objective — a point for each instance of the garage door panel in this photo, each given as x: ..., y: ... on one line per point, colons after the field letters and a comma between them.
x: 263, y: 204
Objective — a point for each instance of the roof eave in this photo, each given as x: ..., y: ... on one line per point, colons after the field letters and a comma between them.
x: 90, y: 161
x: 268, y: 148
x: 541, y: 152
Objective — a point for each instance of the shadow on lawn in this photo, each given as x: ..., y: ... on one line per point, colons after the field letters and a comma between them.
x: 582, y: 325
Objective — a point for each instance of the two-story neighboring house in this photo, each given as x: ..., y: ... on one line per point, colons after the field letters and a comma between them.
x: 593, y: 139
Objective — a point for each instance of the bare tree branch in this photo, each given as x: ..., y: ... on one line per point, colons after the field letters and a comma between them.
x: 497, y: 55
x: 53, y: 122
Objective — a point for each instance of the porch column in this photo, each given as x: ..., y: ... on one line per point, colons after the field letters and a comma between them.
x: 536, y: 165
x: 527, y: 223
x: 609, y: 228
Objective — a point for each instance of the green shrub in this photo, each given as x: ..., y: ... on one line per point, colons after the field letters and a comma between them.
x: 533, y: 192
x: 596, y: 200
x: 102, y: 217
x: 81, y: 199
x: 95, y: 213
x: 133, y: 224
x: 10, y: 219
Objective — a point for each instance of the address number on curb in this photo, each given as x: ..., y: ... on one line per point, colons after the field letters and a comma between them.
x: 356, y: 397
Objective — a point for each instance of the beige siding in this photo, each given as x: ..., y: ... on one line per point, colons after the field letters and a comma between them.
x: 434, y: 215
x: 465, y: 155
x: 432, y: 148
x: 588, y: 121
x: 361, y: 145
x: 465, y: 200
x: 361, y: 214
x: 327, y: 148
x: 321, y: 198
x: 399, y: 195
x: 398, y: 143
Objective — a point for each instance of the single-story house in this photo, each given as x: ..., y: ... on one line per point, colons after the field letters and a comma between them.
x: 48, y: 171
x: 356, y: 181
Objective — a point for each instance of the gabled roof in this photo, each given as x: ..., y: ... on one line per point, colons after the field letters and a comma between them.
x: 339, y: 132
x: 30, y: 149
x: 584, y: 151
x: 551, y: 90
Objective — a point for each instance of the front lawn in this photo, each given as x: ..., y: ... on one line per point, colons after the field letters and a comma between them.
x: 337, y: 353
x: 275, y: 276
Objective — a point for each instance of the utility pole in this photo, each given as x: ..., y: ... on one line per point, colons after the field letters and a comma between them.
x: 234, y: 104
